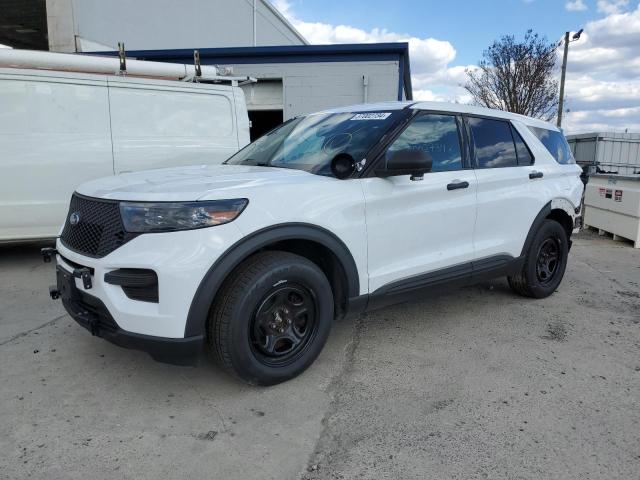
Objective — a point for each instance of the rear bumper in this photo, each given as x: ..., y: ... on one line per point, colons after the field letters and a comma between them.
x: 93, y: 315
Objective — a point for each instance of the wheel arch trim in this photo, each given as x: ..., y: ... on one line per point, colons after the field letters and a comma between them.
x: 535, y: 226
x: 556, y: 204
x: 246, y: 246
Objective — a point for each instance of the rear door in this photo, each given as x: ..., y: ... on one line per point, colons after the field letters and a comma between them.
x: 159, y: 125
x: 511, y: 189
x: 54, y: 135
x: 415, y: 227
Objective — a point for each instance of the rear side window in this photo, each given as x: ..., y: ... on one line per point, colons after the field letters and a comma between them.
x: 555, y: 143
x: 493, y: 142
x: 524, y: 155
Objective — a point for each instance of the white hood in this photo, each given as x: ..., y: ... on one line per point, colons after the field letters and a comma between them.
x: 195, y: 182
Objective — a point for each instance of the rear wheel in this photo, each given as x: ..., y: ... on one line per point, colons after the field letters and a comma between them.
x: 272, y: 318
x: 545, y: 262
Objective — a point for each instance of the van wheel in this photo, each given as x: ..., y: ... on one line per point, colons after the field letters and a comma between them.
x: 272, y: 318
x: 544, y: 264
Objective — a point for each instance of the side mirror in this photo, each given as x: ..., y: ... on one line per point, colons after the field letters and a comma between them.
x: 407, y: 162
x: 343, y: 165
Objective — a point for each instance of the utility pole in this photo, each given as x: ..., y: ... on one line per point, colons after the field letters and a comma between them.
x: 562, y: 76
x: 576, y: 36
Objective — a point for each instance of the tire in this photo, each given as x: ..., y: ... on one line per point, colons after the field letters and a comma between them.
x: 272, y: 318
x: 537, y: 280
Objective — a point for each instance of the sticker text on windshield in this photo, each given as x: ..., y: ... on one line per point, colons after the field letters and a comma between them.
x: 371, y: 116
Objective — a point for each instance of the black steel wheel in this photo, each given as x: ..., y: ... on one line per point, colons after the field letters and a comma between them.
x: 544, y: 263
x: 284, y: 323
x: 272, y: 318
x: 548, y: 260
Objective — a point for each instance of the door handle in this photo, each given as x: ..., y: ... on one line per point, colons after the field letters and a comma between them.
x: 533, y: 175
x: 456, y: 184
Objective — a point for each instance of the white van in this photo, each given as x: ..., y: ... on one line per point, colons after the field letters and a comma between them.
x: 59, y: 129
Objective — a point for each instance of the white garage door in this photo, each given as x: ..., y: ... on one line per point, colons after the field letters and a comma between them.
x: 264, y: 95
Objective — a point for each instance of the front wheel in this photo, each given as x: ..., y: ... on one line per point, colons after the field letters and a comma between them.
x: 545, y: 262
x: 272, y: 318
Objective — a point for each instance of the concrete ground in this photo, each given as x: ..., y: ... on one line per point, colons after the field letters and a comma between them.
x: 477, y: 383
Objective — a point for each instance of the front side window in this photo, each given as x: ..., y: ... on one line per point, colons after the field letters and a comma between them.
x: 493, y: 141
x: 310, y: 143
x: 555, y: 143
x: 435, y: 135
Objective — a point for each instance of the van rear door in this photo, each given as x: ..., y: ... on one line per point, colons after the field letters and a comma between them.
x: 54, y: 135
x: 156, y: 124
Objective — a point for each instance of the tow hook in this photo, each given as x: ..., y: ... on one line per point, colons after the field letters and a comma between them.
x: 47, y: 253
x: 94, y: 327
x: 54, y: 293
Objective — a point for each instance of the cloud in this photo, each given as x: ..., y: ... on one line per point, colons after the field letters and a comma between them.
x: 611, y: 7
x: 603, y: 74
x: 427, y: 54
x: 575, y: 6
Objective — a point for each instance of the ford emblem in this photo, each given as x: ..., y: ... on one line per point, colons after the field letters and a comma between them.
x: 74, y: 219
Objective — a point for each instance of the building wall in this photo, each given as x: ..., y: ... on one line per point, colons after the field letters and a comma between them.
x: 309, y: 87
x: 86, y: 25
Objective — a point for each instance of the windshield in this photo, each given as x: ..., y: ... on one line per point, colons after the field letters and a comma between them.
x: 310, y: 143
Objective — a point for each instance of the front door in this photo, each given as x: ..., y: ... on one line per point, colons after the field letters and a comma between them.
x: 415, y: 227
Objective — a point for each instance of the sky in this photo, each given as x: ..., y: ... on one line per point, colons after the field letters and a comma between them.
x: 448, y: 37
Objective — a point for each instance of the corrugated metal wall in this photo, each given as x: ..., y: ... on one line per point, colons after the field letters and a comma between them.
x: 309, y: 87
x: 612, y: 152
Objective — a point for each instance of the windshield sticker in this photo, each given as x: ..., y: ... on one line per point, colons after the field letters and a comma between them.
x: 371, y: 116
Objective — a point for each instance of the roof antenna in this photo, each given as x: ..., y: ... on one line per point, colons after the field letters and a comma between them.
x: 123, y: 58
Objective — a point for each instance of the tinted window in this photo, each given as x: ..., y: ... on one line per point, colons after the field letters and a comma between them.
x: 555, y: 143
x: 524, y: 155
x: 435, y: 135
x: 493, y: 143
x: 310, y: 143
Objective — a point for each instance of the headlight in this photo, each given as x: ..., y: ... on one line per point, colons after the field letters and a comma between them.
x: 168, y: 216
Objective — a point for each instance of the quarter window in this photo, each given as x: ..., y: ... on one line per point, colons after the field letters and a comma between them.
x: 435, y: 135
x: 493, y: 143
x: 555, y: 143
x: 524, y: 155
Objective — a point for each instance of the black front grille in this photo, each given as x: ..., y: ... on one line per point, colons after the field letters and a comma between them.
x: 99, y: 230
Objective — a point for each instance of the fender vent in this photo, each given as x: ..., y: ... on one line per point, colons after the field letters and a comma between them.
x: 137, y: 283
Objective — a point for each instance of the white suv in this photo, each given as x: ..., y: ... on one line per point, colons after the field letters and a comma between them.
x: 330, y: 213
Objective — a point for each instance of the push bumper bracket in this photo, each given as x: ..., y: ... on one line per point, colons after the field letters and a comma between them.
x: 85, y: 274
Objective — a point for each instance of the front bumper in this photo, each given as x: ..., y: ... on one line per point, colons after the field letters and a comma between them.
x: 92, y: 314
x: 179, y: 259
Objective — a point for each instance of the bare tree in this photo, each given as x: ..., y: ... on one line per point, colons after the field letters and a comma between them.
x: 517, y: 76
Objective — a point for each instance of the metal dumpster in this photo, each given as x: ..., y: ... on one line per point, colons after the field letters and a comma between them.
x: 612, y: 204
x: 607, y: 152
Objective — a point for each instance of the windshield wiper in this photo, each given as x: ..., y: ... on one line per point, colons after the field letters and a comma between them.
x: 254, y: 162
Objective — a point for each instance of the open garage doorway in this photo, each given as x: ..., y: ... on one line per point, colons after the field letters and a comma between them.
x: 262, y: 121
x: 265, y: 102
